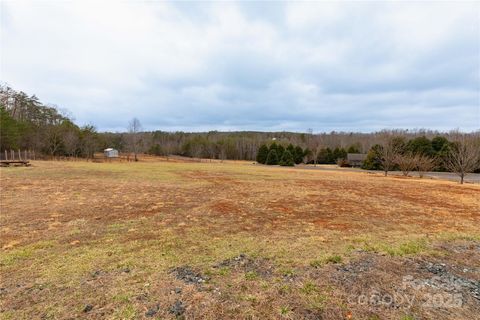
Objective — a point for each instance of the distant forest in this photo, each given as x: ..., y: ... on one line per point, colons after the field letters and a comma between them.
x: 28, y: 124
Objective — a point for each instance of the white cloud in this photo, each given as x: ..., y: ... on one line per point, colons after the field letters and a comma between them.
x: 352, y: 66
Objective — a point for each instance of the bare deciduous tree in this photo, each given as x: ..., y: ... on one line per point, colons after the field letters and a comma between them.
x: 314, y: 143
x: 389, y: 150
x: 71, y: 143
x: 134, y: 128
x: 464, y: 155
x: 424, y: 164
x: 406, y: 162
x: 54, y: 139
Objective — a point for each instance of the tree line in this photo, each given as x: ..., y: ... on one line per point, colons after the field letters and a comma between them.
x: 27, y: 123
x: 460, y: 154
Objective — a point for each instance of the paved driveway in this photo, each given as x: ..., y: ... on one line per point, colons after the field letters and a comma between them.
x: 471, y: 177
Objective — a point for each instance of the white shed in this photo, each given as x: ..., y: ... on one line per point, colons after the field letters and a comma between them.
x: 110, y: 153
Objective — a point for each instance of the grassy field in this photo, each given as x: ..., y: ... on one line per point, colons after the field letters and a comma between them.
x: 162, y: 240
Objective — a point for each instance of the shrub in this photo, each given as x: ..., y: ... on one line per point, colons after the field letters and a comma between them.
x: 343, y: 163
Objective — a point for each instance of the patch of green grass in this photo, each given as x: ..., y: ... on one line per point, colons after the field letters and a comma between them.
x: 285, y: 311
x: 407, y: 317
x: 7, y: 315
x: 284, y: 289
x: 251, y: 275
x: 125, y: 312
x: 287, y: 272
x: 13, y: 256
x: 224, y: 271
x: 122, y: 297
x: 317, y: 263
x: 452, y: 236
x: 309, y: 288
x: 406, y: 248
x: 317, y: 302
x: 334, y: 259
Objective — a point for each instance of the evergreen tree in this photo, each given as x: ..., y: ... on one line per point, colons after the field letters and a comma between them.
x: 287, y: 159
x: 291, y: 149
x: 353, y: 149
x: 156, y: 149
x: 298, y: 155
x: 325, y: 156
x: 439, y: 144
x: 9, y: 131
x: 338, y: 153
x: 272, y: 158
x: 262, y: 154
x: 273, y: 146
x: 421, y: 146
x: 372, y: 161
x: 280, y: 151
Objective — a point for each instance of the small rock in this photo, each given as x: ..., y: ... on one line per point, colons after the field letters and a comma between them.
x: 96, y: 273
x: 188, y: 275
x: 177, y: 308
x: 178, y: 290
x: 152, y: 311
x: 88, y: 308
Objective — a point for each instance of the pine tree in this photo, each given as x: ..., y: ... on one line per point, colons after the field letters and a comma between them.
x: 262, y: 154
x: 272, y: 158
x: 280, y: 151
x: 298, y: 155
x: 287, y: 159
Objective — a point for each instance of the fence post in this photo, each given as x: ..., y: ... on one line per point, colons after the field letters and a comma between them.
x: 12, y: 155
x: 19, y: 155
x: 6, y: 155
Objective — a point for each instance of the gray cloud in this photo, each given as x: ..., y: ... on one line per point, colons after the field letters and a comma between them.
x: 249, y: 66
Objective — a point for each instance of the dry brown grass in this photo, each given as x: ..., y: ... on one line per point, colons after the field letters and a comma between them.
x: 70, y: 230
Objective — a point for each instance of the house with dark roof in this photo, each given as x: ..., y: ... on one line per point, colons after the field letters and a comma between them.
x: 356, y: 159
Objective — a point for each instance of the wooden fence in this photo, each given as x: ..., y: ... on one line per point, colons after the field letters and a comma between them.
x: 18, y: 157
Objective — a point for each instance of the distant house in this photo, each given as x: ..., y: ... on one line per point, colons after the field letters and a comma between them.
x: 110, y: 153
x: 356, y: 159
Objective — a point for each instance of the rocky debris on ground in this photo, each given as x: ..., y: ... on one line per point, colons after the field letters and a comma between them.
x: 349, y: 272
x: 261, y: 267
x: 97, y: 273
x: 88, y: 308
x: 189, y: 276
x: 178, y: 308
x: 151, y: 312
x: 445, y: 280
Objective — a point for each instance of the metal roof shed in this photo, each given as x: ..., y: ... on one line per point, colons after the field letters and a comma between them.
x: 110, y: 153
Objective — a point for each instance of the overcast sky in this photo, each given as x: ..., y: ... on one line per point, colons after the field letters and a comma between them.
x: 354, y: 66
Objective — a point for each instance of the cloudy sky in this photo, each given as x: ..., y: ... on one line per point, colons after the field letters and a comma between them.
x: 351, y: 66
